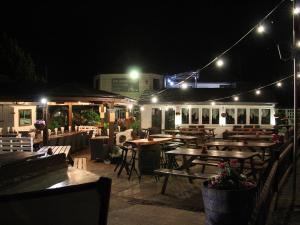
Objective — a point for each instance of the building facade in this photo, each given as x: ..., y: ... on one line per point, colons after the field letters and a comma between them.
x: 124, y: 85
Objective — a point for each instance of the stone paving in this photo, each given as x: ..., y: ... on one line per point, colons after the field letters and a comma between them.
x: 137, y: 203
x: 134, y: 203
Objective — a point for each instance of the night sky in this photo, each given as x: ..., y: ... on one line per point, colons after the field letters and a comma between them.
x: 76, y: 41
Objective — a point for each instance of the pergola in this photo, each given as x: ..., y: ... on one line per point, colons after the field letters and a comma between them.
x: 69, y: 94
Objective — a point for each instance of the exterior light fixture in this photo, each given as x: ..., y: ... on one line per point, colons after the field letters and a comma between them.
x: 260, y: 29
x: 44, y: 101
x: 219, y: 63
x: 298, y: 75
x: 257, y: 92
x: 154, y: 99
x: 134, y: 74
x: 236, y: 98
x: 130, y: 106
x: 184, y: 85
x: 213, y: 103
x: 298, y: 44
x: 296, y: 11
x: 279, y: 84
x: 142, y: 108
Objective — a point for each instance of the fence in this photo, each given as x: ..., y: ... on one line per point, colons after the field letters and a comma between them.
x: 271, y: 183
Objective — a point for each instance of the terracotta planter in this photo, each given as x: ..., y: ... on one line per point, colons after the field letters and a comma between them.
x: 228, y: 207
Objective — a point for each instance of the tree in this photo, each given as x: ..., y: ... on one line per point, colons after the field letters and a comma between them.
x: 15, y: 62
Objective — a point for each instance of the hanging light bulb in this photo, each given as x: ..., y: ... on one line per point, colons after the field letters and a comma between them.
x: 279, y: 84
x: 236, y: 98
x: 219, y: 63
x: 260, y: 29
x: 184, y: 85
x: 257, y: 92
x: 154, y: 99
x: 298, y: 44
x: 298, y: 75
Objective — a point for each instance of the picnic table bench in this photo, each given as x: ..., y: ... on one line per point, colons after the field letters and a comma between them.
x: 181, y: 173
x: 16, y: 144
x: 58, y: 150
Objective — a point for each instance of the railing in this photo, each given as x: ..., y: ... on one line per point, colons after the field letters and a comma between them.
x: 270, y: 184
x: 16, y: 144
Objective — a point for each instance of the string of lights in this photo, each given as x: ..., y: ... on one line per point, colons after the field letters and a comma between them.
x: 259, y: 27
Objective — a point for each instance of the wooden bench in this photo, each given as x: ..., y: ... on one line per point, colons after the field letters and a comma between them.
x: 16, y: 144
x: 172, y: 172
x: 80, y: 204
x: 80, y: 163
x: 58, y: 150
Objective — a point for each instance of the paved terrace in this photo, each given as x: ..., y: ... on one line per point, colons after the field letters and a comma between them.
x: 135, y: 203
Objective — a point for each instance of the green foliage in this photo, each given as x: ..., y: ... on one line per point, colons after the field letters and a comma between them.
x: 136, y: 126
x: 15, y: 62
x: 88, y: 117
x: 56, y: 122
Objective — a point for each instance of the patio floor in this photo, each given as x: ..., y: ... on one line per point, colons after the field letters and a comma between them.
x: 137, y: 203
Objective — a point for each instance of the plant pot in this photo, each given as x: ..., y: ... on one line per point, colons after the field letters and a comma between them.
x: 39, y: 126
x: 228, y: 207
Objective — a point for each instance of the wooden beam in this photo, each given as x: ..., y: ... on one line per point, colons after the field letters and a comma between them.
x: 70, y: 114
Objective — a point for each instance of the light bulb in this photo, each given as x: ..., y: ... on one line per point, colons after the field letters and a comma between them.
x: 260, y: 29
x: 154, y: 99
x: 212, y: 103
x: 184, y: 86
x: 257, y: 92
x: 142, y: 108
x: 219, y: 63
x: 279, y: 84
x: 296, y: 11
x: 235, y: 98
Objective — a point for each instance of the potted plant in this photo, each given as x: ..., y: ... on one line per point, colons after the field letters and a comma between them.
x: 228, y: 197
x: 40, y: 124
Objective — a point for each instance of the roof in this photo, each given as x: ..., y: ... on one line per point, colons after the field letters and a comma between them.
x: 30, y: 91
x: 201, y: 95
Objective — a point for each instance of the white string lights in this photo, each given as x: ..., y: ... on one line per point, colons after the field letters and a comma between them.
x: 219, y: 62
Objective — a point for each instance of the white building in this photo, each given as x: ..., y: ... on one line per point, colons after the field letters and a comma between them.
x: 124, y: 85
x: 177, y: 107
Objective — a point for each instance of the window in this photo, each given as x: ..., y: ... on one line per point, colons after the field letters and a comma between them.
x: 205, y: 116
x: 124, y: 85
x: 254, y: 115
x: 156, y: 118
x: 241, y: 116
x: 170, y: 119
x: 25, y: 117
x: 185, y: 115
x: 195, y: 116
x: 156, y: 84
x: 265, y: 116
x: 215, y: 116
x: 230, y: 116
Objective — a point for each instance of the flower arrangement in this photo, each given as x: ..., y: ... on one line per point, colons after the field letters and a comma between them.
x: 229, y: 178
x: 40, y: 124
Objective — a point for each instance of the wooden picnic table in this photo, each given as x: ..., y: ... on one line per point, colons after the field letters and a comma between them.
x: 241, y: 144
x: 215, y: 154
x: 58, y: 150
x: 7, y: 158
x: 250, y: 137
x: 140, y: 142
x: 185, y: 138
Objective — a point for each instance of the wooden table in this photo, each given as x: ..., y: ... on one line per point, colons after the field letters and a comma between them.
x: 219, y: 155
x: 250, y: 137
x: 149, y: 155
x: 185, y: 138
x: 234, y: 144
x: 16, y: 157
x: 58, y: 150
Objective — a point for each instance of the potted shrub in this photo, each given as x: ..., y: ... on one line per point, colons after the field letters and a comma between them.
x: 228, y: 197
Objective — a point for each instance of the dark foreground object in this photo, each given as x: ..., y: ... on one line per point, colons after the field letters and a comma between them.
x: 228, y: 207
x: 76, y: 204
